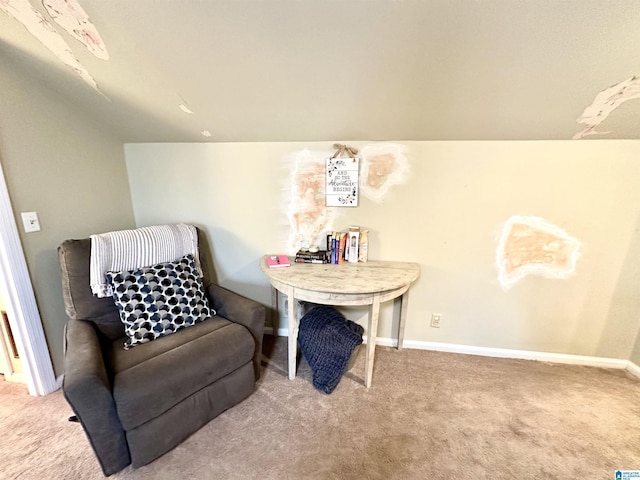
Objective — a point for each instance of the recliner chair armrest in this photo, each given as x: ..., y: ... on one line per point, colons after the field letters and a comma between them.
x: 87, y: 389
x: 242, y: 310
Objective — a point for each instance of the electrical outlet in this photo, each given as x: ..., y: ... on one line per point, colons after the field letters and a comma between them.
x: 30, y: 222
x: 436, y: 318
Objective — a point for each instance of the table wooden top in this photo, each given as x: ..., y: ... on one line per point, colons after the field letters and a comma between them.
x: 349, y: 278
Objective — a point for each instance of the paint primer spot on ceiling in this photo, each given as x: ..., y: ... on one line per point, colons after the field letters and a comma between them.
x: 605, y: 103
x: 206, y: 133
x: 185, y: 109
x: 44, y: 31
x: 72, y: 17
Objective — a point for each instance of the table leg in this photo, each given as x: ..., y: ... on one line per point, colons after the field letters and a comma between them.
x: 404, y: 303
x: 372, y: 334
x: 275, y: 318
x: 292, y: 315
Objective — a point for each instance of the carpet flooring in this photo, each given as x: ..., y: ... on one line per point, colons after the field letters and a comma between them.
x: 427, y: 415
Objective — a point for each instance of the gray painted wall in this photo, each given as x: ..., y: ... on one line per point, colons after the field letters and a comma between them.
x: 60, y: 162
x: 635, y: 354
x: 448, y: 217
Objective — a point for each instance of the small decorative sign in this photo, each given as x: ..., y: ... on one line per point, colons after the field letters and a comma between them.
x: 342, y: 177
x: 342, y: 182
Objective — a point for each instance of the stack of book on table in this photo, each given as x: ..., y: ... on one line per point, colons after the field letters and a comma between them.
x: 349, y: 246
x: 306, y: 256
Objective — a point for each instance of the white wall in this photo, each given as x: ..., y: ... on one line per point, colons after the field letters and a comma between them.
x: 447, y: 217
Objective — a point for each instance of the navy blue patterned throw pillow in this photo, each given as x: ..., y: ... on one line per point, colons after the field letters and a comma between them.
x: 159, y: 300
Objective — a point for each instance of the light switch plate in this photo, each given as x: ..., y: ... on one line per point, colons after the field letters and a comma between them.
x: 30, y: 222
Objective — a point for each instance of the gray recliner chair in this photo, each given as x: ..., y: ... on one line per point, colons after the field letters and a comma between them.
x: 137, y: 404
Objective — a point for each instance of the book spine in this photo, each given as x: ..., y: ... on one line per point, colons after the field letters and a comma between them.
x: 363, y: 246
x: 334, y: 250
x: 354, y: 237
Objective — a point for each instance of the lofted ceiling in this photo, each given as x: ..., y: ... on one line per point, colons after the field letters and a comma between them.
x: 316, y: 70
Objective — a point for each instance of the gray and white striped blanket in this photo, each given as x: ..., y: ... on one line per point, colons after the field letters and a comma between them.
x: 140, y: 247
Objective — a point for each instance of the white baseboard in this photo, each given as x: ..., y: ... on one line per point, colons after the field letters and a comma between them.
x: 519, y: 354
x: 601, y: 362
x: 15, y: 377
x: 282, y: 332
x: 633, y: 369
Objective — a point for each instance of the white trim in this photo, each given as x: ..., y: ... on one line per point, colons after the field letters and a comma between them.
x: 633, y: 369
x: 508, y: 353
x: 7, y: 361
x: 6, y: 366
x: 21, y: 306
x: 282, y: 332
x: 601, y: 362
x: 16, y: 378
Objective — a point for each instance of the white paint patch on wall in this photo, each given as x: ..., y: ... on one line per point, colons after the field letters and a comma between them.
x: 40, y: 28
x: 533, y: 246
x: 384, y: 165
x: 306, y: 209
x: 72, y: 17
x: 605, y: 103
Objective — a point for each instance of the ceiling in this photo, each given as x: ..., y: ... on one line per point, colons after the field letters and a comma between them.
x: 324, y: 70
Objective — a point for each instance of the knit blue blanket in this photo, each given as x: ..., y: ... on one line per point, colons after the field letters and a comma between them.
x: 327, y: 340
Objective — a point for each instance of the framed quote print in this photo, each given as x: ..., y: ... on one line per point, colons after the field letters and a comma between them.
x: 342, y: 177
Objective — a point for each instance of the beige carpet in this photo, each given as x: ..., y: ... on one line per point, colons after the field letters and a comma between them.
x: 428, y: 415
